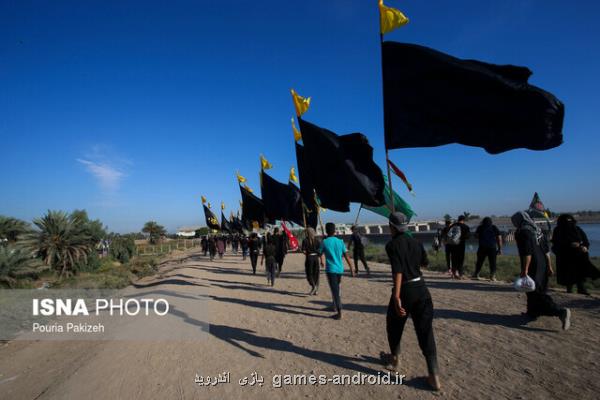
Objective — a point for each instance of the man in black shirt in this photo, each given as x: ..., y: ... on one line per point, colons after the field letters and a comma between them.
x: 457, y: 250
x: 490, y: 245
x: 410, y: 296
x: 356, y: 241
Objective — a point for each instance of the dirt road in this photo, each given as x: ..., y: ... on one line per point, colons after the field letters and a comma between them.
x: 485, y: 348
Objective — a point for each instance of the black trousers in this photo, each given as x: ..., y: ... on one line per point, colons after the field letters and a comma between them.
x: 448, y: 253
x: 271, y: 267
x: 253, y: 260
x: 359, y: 254
x: 540, y: 304
x: 334, y: 284
x: 457, y: 255
x: 311, y: 266
x: 482, y: 254
x: 417, y: 302
x: 580, y: 286
x: 279, y: 258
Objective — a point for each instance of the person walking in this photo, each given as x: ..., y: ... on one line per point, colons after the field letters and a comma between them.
x: 204, y: 245
x: 268, y: 253
x: 212, y: 247
x: 458, y: 233
x: 221, y: 245
x: 536, y: 264
x: 571, y: 247
x: 235, y: 241
x: 446, y: 244
x: 334, y: 249
x: 490, y: 245
x: 311, y: 247
x: 280, y: 241
x: 244, y: 245
x: 410, y: 297
x: 254, y: 248
x: 358, y: 250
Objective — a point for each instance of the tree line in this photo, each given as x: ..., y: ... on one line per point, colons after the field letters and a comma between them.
x: 65, y: 243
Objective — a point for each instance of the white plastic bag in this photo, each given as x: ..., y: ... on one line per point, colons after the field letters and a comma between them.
x: 525, y: 284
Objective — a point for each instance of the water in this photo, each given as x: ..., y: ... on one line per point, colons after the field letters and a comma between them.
x: 591, y: 230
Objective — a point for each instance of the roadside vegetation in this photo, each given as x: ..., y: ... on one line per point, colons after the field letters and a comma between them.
x: 69, y: 250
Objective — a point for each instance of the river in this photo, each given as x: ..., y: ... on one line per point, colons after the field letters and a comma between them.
x: 591, y: 230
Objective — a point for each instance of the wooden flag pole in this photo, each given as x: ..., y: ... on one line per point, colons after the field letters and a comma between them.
x: 318, y: 212
x: 387, y: 156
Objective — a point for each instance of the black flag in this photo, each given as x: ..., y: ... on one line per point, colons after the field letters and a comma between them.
x: 225, y: 225
x: 237, y: 225
x: 253, y: 208
x: 211, y: 219
x: 341, y: 168
x: 307, y: 188
x: 282, y: 202
x: 432, y: 99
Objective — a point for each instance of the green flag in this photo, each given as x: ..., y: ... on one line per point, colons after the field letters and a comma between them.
x: 399, y: 204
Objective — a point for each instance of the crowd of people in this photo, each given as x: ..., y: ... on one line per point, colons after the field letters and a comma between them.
x: 410, y: 296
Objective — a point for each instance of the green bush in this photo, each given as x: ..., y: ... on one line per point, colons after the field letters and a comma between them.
x: 90, y: 264
x: 122, y: 248
x: 143, y: 266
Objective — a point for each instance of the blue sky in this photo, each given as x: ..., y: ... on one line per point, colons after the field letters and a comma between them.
x: 132, y: 110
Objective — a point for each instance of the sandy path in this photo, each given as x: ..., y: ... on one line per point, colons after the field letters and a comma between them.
x: 484, y: 349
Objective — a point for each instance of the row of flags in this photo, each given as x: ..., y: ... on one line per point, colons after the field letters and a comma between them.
x: 430, y: 99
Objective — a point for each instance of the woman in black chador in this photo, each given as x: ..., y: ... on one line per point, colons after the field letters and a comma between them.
x: 535, y: 263
x: 571, y: 245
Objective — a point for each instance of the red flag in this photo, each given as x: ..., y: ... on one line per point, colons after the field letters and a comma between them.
x: 291, y: 238
x: 400, y: 175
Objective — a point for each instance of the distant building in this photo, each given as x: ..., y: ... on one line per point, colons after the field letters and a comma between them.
x: 187, y: 231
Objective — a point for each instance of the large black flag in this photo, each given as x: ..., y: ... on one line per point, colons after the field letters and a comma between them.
x: 225, y: 225
x: 281, y: 201
x: 307, y: 188
x: 211, y: 218
x: 253, y: 208
x: 431, y: 99
x: 341, y: 168
x: 237, y: 225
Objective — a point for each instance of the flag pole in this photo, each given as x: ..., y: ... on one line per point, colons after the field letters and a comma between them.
x: 357, y: 214
x: 387, y: 156
x: 318, y: 212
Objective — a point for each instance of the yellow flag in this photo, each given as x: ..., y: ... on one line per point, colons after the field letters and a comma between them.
x: 208, y: 204
x: 293, y: 176
x: 301, y: 104
x: 264, y: 164
x: 297, y: 134
x: 248, y: 189
x: 203, y: 200
x: 240, y: 178
x: 390, y: 18
x: 222, y: 205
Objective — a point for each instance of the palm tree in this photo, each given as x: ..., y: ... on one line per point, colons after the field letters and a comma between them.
x: 154, y: 231
x: 61, y: 241
x: 13, y: 262
x: 12, y: 228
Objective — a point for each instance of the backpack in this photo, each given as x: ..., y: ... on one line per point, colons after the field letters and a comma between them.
x: 454, y: 235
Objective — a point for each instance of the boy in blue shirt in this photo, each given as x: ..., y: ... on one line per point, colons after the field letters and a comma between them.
x: 333, y: 249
